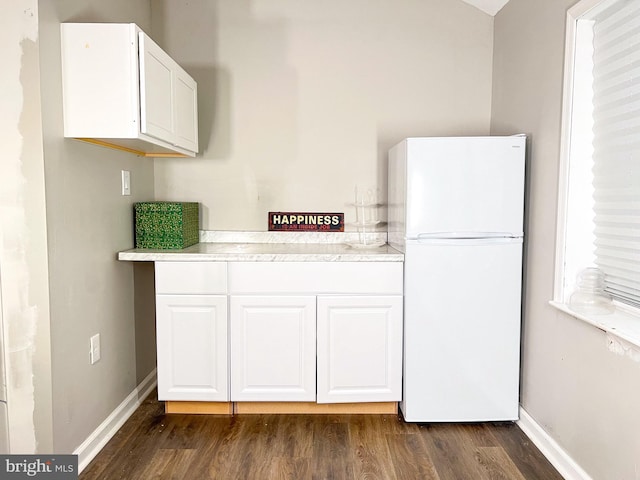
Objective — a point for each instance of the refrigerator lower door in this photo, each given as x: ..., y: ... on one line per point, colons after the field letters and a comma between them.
x: 462, y: 330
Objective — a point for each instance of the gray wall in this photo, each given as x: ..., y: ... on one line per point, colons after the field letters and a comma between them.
x: 88, y: 223
x: 585, y: 396
x: 300, y: 101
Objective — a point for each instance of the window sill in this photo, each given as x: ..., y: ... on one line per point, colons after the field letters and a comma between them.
x: 621, y: 324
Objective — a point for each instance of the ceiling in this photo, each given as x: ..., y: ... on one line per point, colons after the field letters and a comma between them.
x: 488, y: 6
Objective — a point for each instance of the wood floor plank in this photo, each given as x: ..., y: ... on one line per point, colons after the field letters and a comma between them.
x: 290, y: 468
x: 169, y: 464
x: 523, y: 452
x: 253, y: 455
x: 410, y: 457
x: 453, y: 452
x: 134, y: 441
x: 294, y: 437
x: 331, y: 459
x: 215, y: 458
x: 154, y: 445
x: 497, y: 464
x: 96, y: 469
x: 479, y: 434
x: 369, y: 450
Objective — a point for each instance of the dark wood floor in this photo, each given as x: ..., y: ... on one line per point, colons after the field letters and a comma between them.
x: 152, y: 445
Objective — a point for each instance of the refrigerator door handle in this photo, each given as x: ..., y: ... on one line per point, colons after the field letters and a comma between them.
x: 467, y: 242
x: 466, y: 235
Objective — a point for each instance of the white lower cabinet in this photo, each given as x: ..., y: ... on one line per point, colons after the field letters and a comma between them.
x: 273, y: 348
x: 359, y: 341
x: 326, y: 332
x: 191, y: 333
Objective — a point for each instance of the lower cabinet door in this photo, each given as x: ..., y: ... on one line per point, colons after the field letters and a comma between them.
x: 273, y: 348
x: 359, y: 349
x: 191, y: 332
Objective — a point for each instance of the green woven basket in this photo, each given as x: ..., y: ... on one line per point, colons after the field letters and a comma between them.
x: 167, y: 225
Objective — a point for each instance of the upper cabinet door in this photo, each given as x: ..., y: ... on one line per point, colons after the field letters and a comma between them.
x: 185, y: 110
x: 168, y: 97
x: 156, y: 90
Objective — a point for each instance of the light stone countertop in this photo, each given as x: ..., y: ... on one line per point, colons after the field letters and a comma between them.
x: 267, y: 247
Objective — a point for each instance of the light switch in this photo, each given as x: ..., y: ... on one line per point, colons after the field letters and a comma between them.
x: 126, y: 182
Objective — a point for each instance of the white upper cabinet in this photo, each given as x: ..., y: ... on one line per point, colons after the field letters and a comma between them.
x: 120, y: 89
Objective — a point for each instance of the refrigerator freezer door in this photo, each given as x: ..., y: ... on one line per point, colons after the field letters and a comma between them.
x: 466, y: 184
x: 462, y: 331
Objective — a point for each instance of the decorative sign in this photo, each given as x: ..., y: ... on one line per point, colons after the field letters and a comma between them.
x: 305, y: 221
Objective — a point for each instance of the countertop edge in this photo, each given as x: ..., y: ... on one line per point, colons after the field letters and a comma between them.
x: 315, y: 253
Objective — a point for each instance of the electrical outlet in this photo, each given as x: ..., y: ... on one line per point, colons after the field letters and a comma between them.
x: 126, y: 182
x: 94, y: 351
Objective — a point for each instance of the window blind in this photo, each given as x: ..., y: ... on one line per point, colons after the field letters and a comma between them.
x: 616, y: 156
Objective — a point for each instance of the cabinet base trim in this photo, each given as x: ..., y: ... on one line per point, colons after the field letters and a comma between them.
x: 320, y: 408
x: 216, y: 408
x: 230, y: 408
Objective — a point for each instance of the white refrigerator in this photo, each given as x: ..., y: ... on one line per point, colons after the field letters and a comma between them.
x: 456, y: 211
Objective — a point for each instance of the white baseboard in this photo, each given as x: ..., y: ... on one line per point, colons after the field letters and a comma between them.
x: 559, y: 458
x: 107, y: 429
